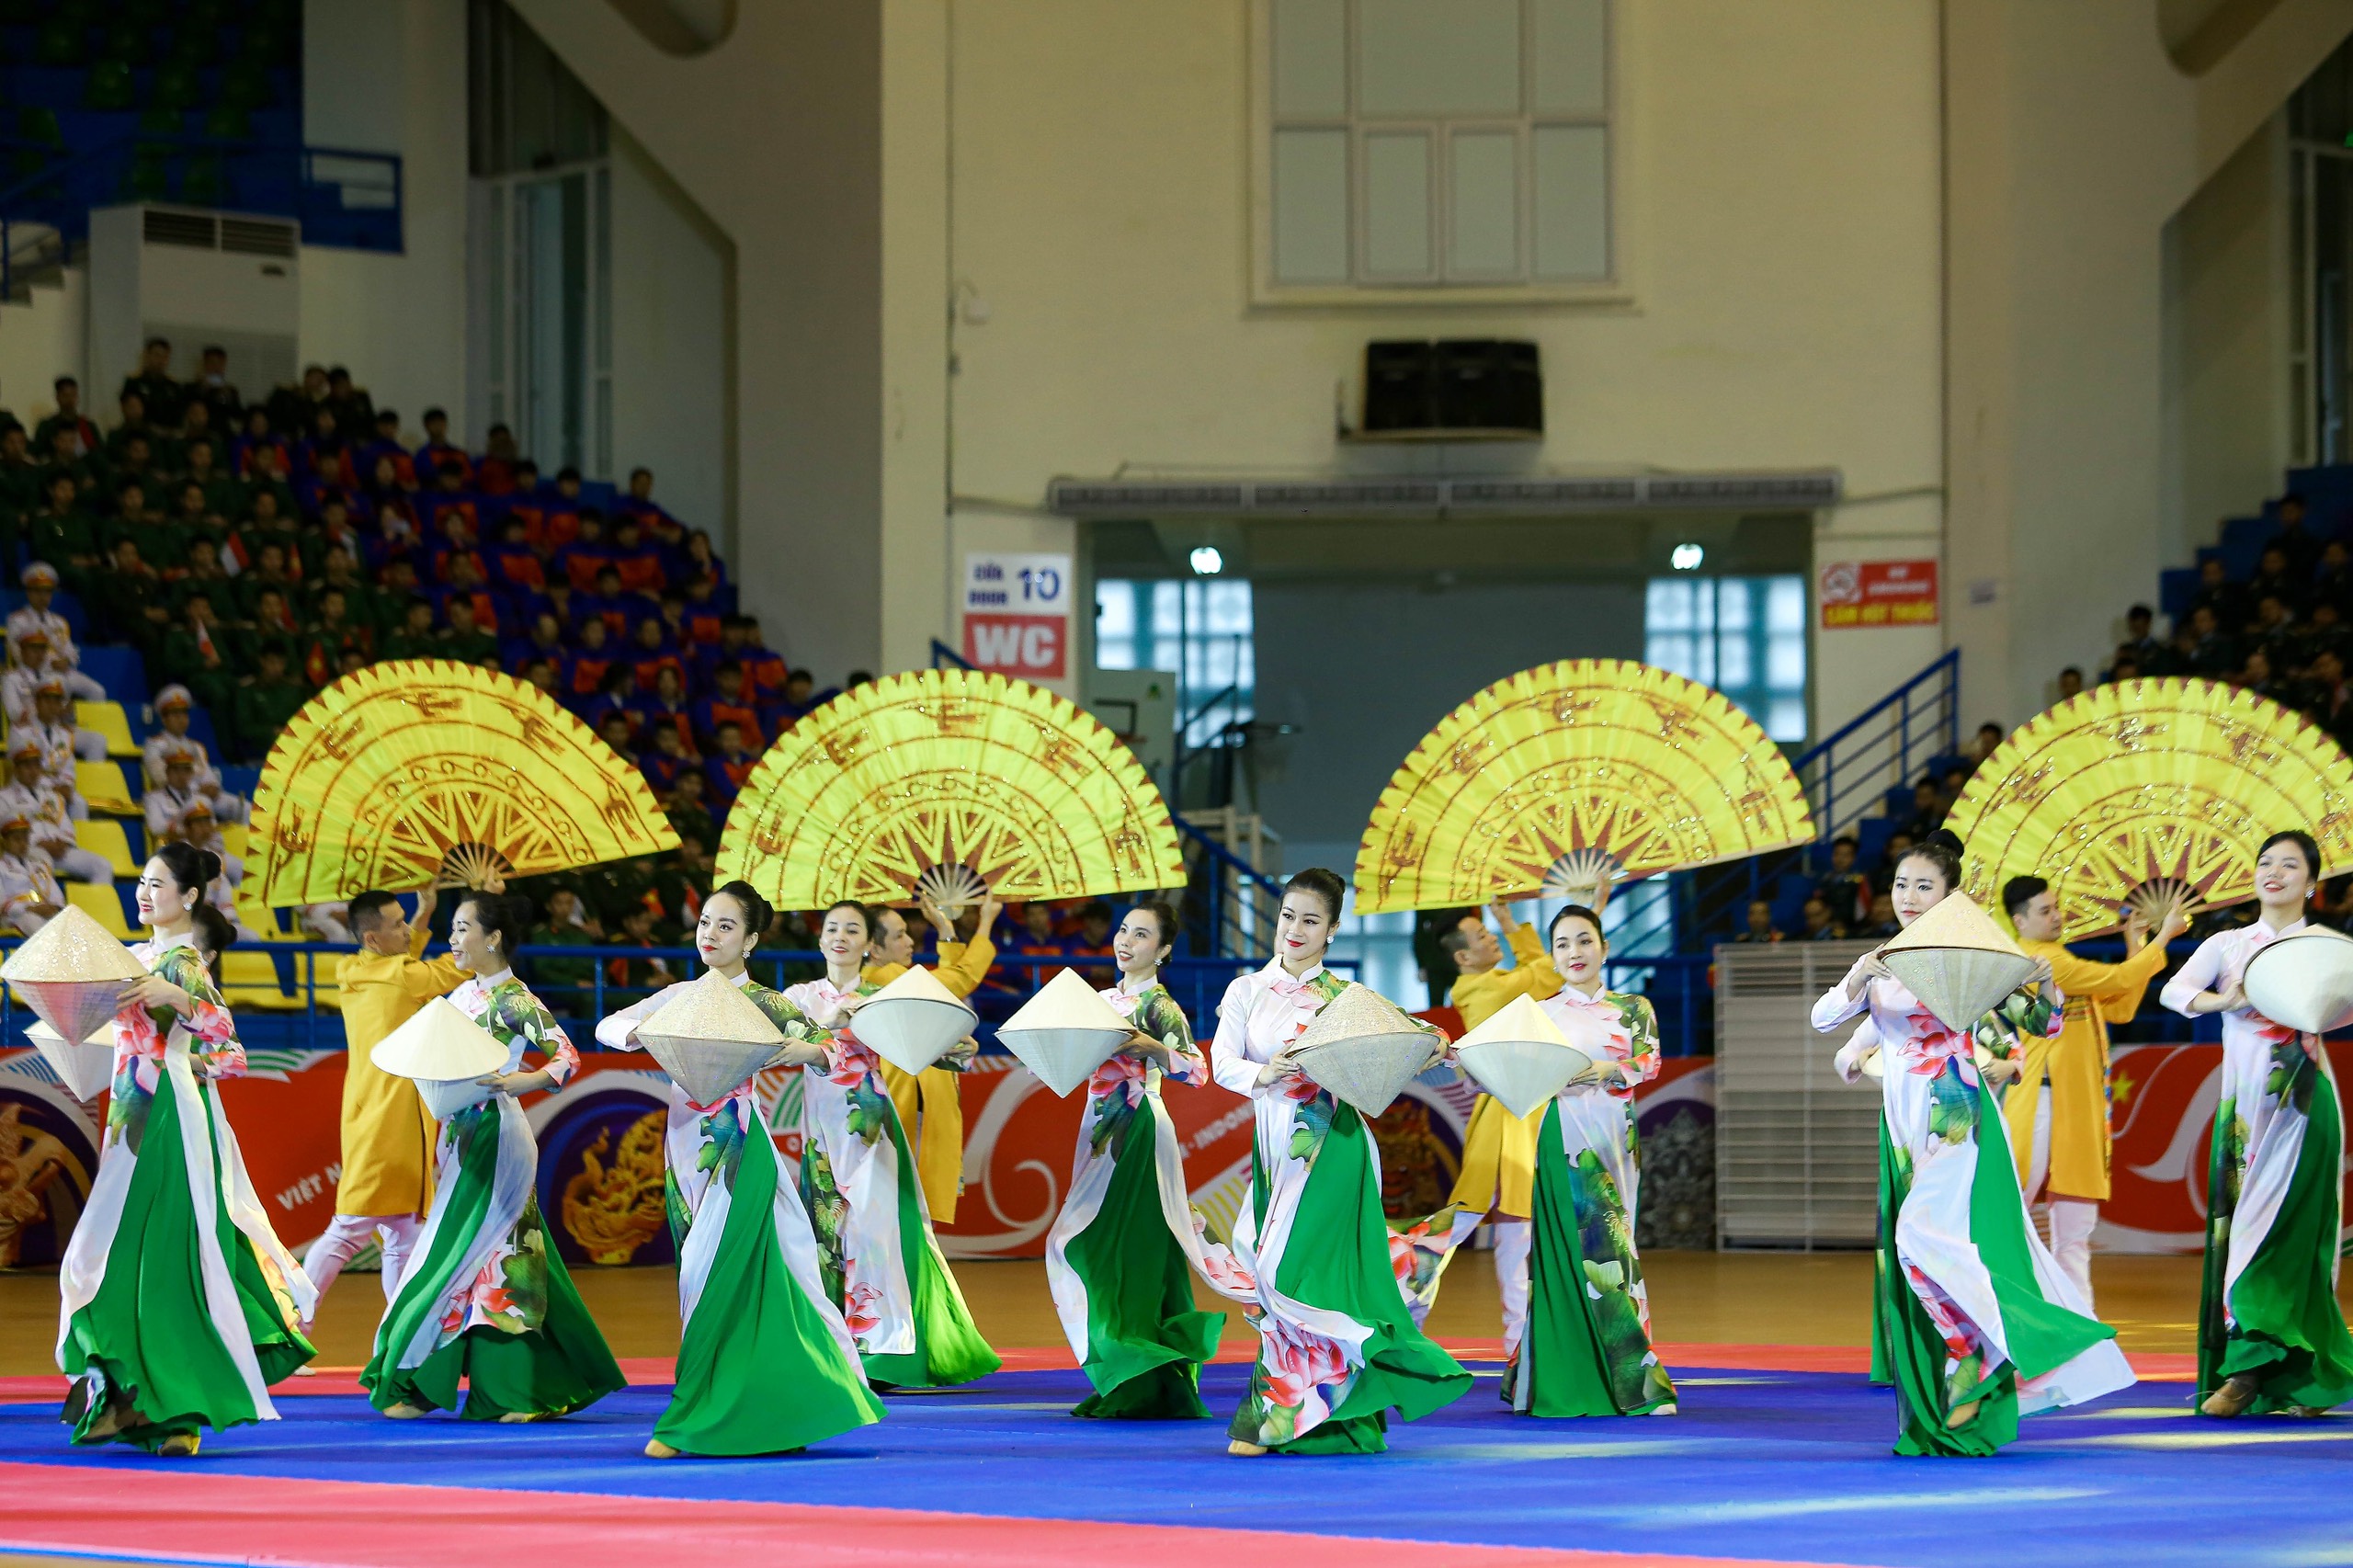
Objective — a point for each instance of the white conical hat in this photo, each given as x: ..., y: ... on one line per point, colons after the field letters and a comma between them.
x: 71, y: 974
x: 1523, y: 1057
x: 1957, y: 961
x: 2303, y: 980
x: 85, y: 1065
x: 1065, y: 1032
x: 1364, y: 1048
x: 710, y: 1037
x: 913, y: 1021
x: 445, y: 1052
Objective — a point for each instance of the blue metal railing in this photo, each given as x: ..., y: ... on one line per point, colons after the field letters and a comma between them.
x: 341, y: 196
x: 943, y: 657
x: 1845, y: 776
x: 1680, y: 987
x: 295, y: 1018
x: 1885, y: 745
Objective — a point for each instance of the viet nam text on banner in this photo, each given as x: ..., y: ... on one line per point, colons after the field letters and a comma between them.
x: 1016, y: 614
x: 1878, y: 594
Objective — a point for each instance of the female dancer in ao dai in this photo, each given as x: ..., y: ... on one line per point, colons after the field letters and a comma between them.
x: 485, y: 1296
x: 766, y: 1365
x: 859, y: 1180
x: 1122, y: 1252
x: 1339, y: 1342
x: 1576, y: 1312
x: 1975, y: 1324
x: 179, y: 1305
x: 2271, y: 1337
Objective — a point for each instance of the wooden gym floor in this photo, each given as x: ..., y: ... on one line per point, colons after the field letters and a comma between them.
x: 1696, y: 1297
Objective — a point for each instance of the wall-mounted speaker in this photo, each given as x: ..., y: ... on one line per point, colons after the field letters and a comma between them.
x: 1483, y: 384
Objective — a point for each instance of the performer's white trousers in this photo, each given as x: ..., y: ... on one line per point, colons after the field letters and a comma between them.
x: 347, y: 1234
x: 1513, y: 1240
x: 2072, y: 1220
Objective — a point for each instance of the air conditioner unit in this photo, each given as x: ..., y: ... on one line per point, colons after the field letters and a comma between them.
x: 195, y: 277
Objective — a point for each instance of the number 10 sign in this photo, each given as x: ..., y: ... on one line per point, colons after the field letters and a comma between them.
x: 1016, y: 614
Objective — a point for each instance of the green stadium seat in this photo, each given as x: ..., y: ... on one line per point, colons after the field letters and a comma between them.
x: 102, y: 904
x: 202, y: 184
x: 108, y: 720
x: 61, y: 41
x: 125, y: 40
x: 228, y: 122
x: 104, y: 836
x: 108, y: 85
x: 176, y: 89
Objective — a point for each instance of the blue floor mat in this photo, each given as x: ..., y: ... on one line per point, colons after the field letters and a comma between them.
x: 1772, y: 1465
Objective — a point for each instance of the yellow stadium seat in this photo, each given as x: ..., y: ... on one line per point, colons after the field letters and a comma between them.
x: 233, y: 838
x: 110, y: 721
x: 101, y: 901
x: 104, y: 787
x: 104, y: 836
x: 330, y: 999
x: 249, y: 979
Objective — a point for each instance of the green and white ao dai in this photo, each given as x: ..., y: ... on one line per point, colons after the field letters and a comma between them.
x: 766, y: 1364
x: 1339, y: 1343
x: 1126, y: 1242
x: 883, y: 1267
x: 2274, y: 1197
x: 1970, y: 1307
x: 179, y: 1304
x: 485, y: 1297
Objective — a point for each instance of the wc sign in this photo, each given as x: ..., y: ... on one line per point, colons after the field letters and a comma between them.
x: 1016, y: 614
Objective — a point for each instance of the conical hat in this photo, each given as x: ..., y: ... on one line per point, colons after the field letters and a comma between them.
x: 87, y: 1065
x: 710, y: 1037
x: 1065, y: 1032
x: 1364, y: 1048
x: 1957, y: 960
x: 439, y: 1042
x: 71, y: 974
x: 2304, y: 981
x: 445, y: 1052
x: 913, y: 1021
x: 1523, y: 1057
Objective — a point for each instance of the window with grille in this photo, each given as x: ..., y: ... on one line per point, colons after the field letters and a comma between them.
x: 1200, y: 628
x: 1439, y: 143
x: 1744, y: 636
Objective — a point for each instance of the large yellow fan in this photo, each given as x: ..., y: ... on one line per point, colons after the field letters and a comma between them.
x: 944, y: 783
x: 2142, y: 794
x: 429, y: 772
x: 1564, y: 779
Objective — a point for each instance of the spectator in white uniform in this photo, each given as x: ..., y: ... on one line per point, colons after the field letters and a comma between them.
x: 62, y: 740
x: 173, y: 708
x: 30, y: 662
x: 30, y: 895
x: 328, y: 922
x: 53, y: 809
x: 35, y: 615
x: 167, y: 802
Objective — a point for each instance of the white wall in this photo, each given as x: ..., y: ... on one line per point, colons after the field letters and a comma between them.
x: 2227, y: 284
x: 43, y: 340
x: 672, y: 287
x: 389, y: 76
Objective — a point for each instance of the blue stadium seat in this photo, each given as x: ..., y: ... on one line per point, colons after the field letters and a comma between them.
x: 2242, y: 545
x: 2177, y: 586
x: 117, y: 667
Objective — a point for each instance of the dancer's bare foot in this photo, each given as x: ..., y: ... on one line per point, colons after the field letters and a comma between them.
x: 655, y: 1448
x: 2232, y: 1397
x: 306, y: 1370
x: 1247, y: 1450
x: 178, y: 1445
x: 403, y: 1412
x: 524, y: 1417
x: 1963, y: 1414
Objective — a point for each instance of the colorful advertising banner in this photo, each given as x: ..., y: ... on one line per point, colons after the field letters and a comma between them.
x: 1878, y: 594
